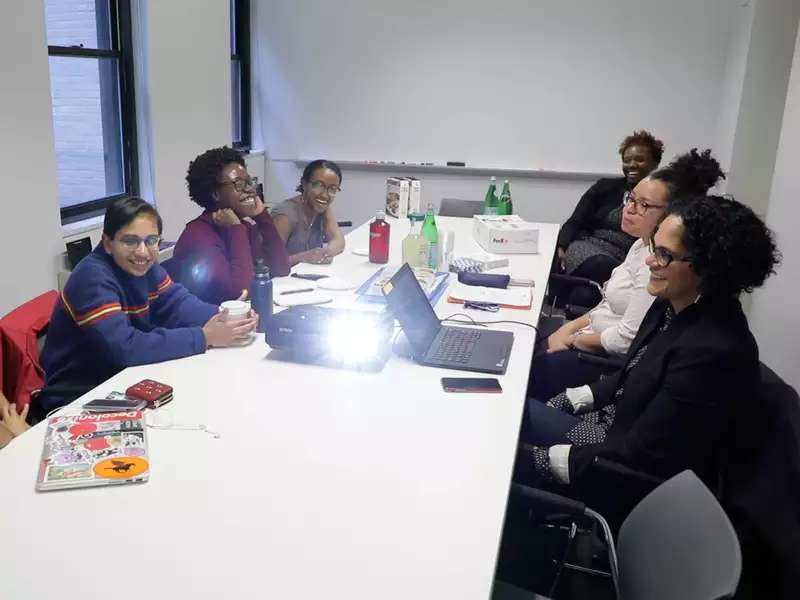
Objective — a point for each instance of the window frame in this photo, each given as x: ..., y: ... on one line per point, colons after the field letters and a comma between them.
x: 121, y: 35
x: 241, y: 53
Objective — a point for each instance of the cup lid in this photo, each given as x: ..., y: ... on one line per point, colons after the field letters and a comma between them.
x: 235, y: 307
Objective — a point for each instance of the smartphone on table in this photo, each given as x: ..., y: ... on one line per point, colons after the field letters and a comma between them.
x: 111, y: 405
x: 471, y: 385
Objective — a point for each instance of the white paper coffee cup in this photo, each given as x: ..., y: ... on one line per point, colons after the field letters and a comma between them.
x: 237, y: 310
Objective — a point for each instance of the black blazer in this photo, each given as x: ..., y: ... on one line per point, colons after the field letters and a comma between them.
x: 679, y: 402
x: 599, y: 200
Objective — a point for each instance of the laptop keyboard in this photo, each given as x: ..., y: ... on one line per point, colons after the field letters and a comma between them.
x: 455, y: 345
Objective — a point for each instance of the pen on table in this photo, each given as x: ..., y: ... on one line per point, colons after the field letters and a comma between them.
x: 286, y: 293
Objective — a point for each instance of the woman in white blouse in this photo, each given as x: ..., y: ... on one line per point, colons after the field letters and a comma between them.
x: 609, y: 328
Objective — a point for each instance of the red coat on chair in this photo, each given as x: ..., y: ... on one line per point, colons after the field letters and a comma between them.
x: 20, y: 372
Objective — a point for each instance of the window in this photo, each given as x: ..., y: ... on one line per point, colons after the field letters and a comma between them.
x: 91, y: 86
x: 240, y: 73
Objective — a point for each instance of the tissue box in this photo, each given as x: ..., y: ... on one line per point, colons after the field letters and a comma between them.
x: 397, y: 189
x: 505, y: 234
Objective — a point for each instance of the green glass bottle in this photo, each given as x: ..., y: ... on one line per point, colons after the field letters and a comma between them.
x: 505, y: 207
x: 431, y: 233
x: 491, y: 204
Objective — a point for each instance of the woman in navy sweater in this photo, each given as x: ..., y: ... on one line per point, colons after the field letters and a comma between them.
x: 119, y: 308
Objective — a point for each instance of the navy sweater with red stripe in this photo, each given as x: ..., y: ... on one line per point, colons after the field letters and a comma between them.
x: 107, y: 319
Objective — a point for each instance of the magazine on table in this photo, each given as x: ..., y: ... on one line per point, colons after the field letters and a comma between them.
x: 433, y: 283
x: 99, y: 449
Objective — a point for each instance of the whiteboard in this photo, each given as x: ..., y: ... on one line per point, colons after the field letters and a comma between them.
x: 553, y: 84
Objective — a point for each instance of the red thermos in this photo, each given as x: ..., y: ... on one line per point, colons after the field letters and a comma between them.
x: 379, y: 239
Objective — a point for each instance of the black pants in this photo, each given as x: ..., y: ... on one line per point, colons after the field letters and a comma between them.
x: 597, y: 268
x: 552, y: 373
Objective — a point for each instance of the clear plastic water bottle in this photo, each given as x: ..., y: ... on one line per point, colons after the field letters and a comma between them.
x: 261, y: 294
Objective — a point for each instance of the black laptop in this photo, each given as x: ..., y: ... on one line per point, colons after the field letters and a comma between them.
x: 436, y: 345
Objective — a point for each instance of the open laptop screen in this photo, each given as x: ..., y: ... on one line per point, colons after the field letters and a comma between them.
x: 411, y: 308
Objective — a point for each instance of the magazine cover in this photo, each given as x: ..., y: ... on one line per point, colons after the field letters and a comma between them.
x: 89, y: 450
x: 433, y: 283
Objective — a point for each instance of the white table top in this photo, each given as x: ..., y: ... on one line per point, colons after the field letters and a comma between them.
x: 324, y: 483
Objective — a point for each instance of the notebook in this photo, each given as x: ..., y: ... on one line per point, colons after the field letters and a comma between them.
x: 512, y: 297
x: 89, y: 450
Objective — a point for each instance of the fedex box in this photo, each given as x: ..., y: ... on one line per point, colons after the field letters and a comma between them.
x: 505, y: 234
x: 397, y: 189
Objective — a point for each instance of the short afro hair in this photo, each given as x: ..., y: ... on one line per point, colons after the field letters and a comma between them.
x: 202, y: 178
x: 691, y: 174
x: 646, y: 139
x: 731, y: 248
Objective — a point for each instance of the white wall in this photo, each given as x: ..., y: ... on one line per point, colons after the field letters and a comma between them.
x: 188, y: 47
x: 773, y: 313
x: 762, y: 97
x: 364, y: 192
x: 512, y: 83
x: 30, y: 235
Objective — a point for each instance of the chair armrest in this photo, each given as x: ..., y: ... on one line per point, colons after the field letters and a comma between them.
x: 571, y: 281
x: 549, y: 500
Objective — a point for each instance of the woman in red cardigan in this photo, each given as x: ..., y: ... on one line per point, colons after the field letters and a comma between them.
x: 216, y: 252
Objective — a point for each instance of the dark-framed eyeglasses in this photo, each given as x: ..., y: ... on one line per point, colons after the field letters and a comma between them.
x: 132, y: 242
x: 664, y: 257
x: 318, y: 186
x: 241, y: 185
x: 640, y: 207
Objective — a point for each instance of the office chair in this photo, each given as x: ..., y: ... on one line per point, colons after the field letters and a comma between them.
x: 561, y: 287
x: 452, y: 207
x: 676, y: 543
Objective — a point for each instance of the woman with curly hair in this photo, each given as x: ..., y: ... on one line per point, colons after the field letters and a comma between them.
x: 692, y: 370
x: 216, y: 252
x: 591, y: 242
x: 609, y: 328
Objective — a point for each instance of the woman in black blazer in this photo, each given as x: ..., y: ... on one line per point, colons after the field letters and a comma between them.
x: 692, y: 370
x: 591, y: 243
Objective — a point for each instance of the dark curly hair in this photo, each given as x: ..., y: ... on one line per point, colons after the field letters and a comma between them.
x: 203, y: 175
x: 690, y: 174
x: 644, y: 138
x: 320, y: 163
x: 731, y: 248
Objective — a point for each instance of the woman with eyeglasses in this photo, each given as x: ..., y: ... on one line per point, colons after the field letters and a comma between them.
x: 216, y: 253
x: 306, y: 222
x: 692, y: 371
x: 120, y: 308
x: 609, y: 328
x: 591, y: 242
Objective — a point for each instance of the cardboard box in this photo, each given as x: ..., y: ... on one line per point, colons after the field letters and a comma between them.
x: 397, y: 189
x: 415, y: 196
x: 505, y: 234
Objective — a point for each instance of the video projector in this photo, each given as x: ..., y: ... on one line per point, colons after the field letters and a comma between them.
x: 337, y: 336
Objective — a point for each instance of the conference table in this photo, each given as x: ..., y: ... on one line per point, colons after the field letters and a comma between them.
x: 320, y: 482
